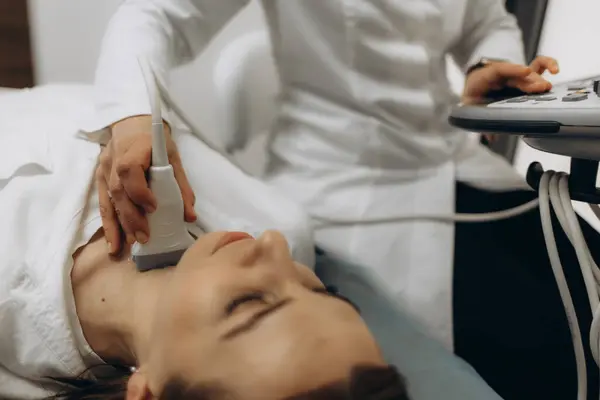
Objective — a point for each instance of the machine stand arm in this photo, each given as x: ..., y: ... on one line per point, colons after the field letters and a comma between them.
x: 582, y: 180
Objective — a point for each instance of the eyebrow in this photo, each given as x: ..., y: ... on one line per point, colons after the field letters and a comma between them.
x: 255, y: 319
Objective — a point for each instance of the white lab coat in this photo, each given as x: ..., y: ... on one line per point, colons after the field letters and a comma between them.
x: 361, y: 131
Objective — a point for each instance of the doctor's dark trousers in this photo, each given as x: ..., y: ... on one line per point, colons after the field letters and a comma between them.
x: 509, y: 321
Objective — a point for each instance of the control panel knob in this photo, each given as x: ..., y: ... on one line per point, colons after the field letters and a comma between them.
x: 597, y: 87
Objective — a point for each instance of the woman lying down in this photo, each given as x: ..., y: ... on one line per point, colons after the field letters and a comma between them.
x: 237, y: 318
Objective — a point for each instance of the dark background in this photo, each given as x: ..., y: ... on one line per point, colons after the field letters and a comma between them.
x: 16, y: 66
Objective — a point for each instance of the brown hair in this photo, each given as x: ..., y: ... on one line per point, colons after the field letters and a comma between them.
x: 83, y: 388
x: 364, y: 383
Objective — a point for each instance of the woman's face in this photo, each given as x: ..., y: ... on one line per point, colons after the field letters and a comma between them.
x: 239, y: 313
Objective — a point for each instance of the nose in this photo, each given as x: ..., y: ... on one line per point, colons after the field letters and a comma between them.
x: 274, y: 247
x: 274, y: 267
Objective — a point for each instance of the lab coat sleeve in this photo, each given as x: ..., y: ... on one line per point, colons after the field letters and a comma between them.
x: 488, y: 31
x: 167, y: 33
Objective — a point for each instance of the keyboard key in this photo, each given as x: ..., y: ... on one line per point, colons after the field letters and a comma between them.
x: 575, y: 97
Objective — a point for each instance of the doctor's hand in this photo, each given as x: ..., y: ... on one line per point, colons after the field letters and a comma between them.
x: 496, y: 76
x: 500, y: 75
x: 123, y: 190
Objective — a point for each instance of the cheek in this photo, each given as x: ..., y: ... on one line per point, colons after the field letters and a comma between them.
x: 179, y: 307
x: 306, y: 276
x: 195, y: 297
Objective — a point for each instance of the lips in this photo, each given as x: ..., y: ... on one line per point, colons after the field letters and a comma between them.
x: 231, y: 237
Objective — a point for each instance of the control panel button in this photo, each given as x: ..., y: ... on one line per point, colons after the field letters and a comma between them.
x: 575, y: 97
x: 544, y: 98
x: 597, y: 87
x: 577, y: 87
x: 518, y: 100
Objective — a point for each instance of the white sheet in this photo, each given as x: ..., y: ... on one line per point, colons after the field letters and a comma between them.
x: 44, y: 179
x: 227, y: 198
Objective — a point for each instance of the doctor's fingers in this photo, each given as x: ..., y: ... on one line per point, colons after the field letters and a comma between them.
x: 500, y: 72
x: 189, y: 198
x: 534, y: 83
x: 132, y: 220
x: 110, y: 222
x: 542, y: 64
x: 127, y: 216
x: 133, y: 177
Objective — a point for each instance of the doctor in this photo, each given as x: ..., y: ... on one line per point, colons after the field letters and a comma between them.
x: 361, y: 132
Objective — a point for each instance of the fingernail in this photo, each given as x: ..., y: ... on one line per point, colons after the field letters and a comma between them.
x: 130, y: 239
x: 150, y: 209
x: 110, y: 247
x: 141, y: 237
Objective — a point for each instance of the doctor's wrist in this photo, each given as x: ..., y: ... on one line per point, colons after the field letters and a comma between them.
x: 482, y: 63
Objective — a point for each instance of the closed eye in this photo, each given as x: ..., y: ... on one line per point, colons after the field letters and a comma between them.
x: 246, y: 298
x: 259, y: 297
x: 270, y: 309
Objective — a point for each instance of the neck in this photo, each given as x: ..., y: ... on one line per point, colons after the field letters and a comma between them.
x: 114, y: 303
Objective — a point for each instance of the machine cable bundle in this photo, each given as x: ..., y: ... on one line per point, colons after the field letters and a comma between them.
x: 557, y: 190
